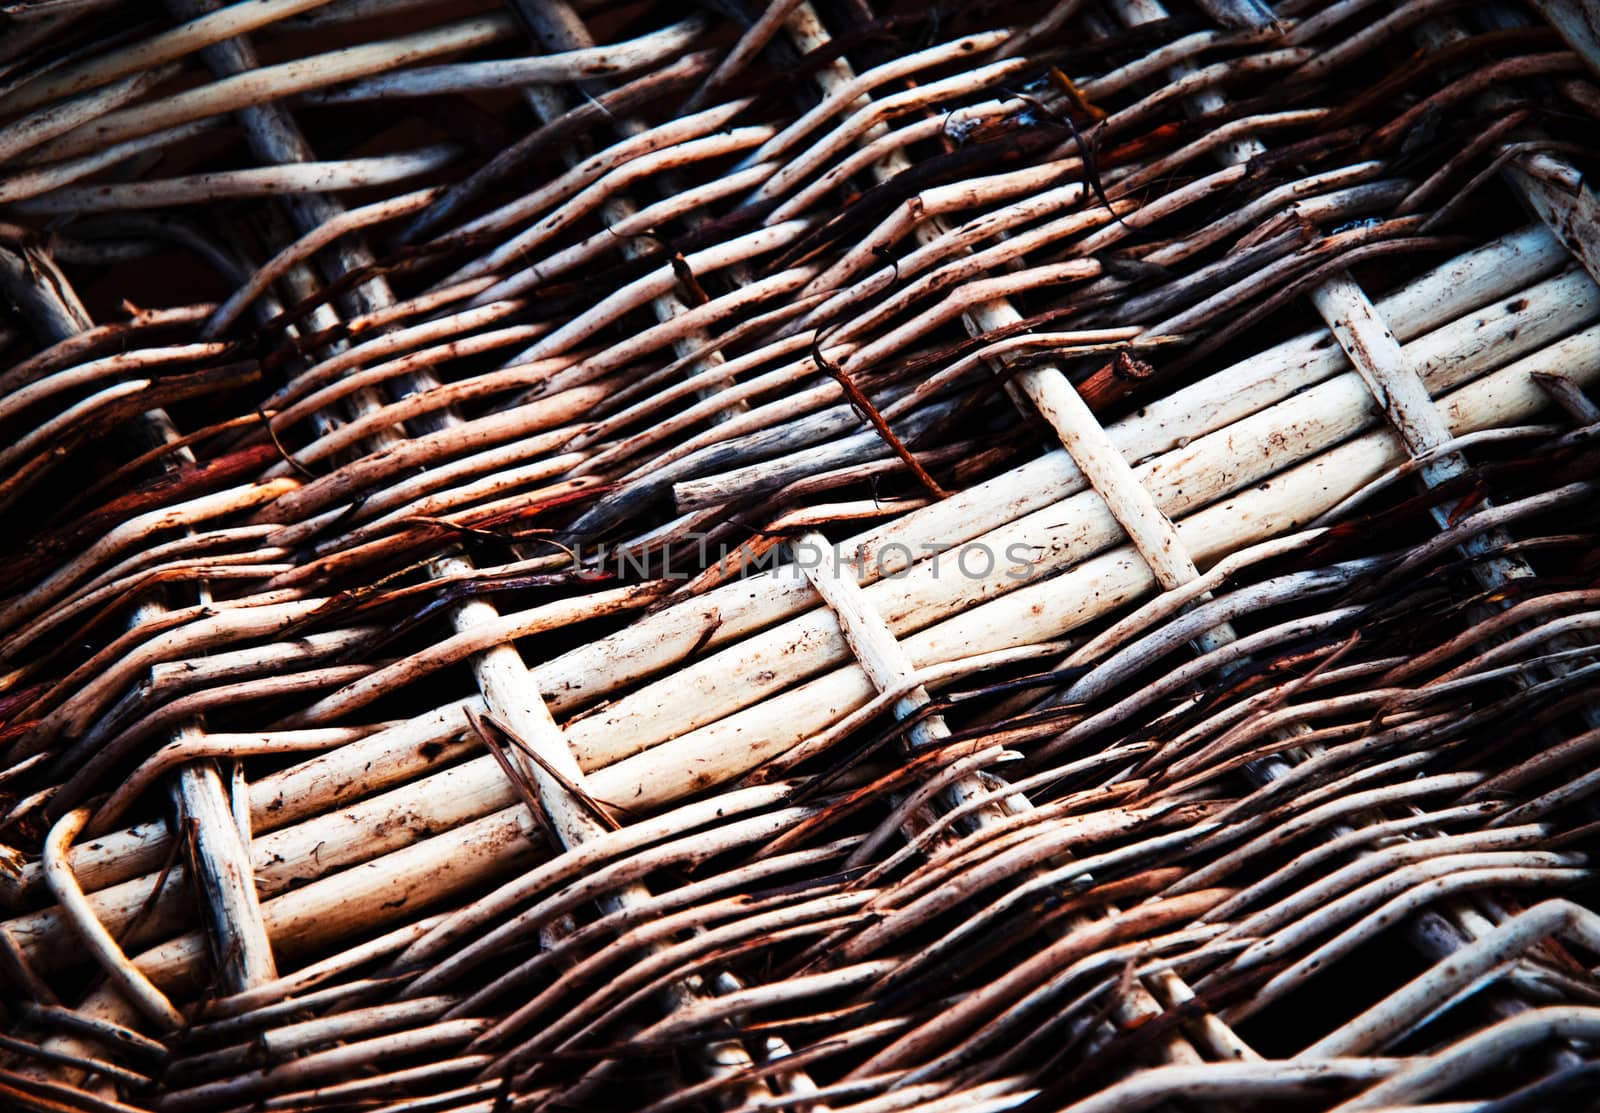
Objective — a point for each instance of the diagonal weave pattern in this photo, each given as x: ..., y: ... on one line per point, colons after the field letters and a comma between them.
x: 806, y: 556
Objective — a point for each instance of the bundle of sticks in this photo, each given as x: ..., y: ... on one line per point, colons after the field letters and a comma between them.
x: 807, y: 555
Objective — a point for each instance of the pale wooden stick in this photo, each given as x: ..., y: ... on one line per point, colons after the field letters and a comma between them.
x: 189, y: 748
x: 529, y: 425
x: 298, y: 1037
x: 497, y: 483
x: 1380, y: 1024
x: 237, y: 19
x: 329, y: 841
x: 204, y: 189
x: 331, y: 1063
x: 1366, y: 882
x: 653, y: 216
x: 579, y: 860
x: 1323, y: 816
x: 92, y: 933
x: 384, y: 759
x: 66, y: 352
x: 376, y: 419
x: 590, y: 170
x: 484, y: 635
x: 278, y: 998
x: 138, y: 531
x: 210, y: 547
x: 80, y: 375
x: 323, y: 382
x: 40, y: 127
x: 14, y: 459
x: 616, y: 59
x: 664, y: 279
x: 332, y: 908
x: 842, y: 89
x: 1103, y: 466
x: 876, y: 112
x: 221, y: 867
x: 31, y: 182
x: 78, y: 713
x: 256, y: 660
x: 266, y: 274
x: 269, y: 83
x: 870, y: 639
x: 1464, y: 873
x: 1040, y: 191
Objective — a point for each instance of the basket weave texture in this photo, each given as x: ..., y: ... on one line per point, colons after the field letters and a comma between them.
x: 805, y: 555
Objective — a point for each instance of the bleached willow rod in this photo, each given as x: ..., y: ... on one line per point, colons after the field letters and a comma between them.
x: 207, y: 188
x: 275, y: 82
x: 29, y: 132
x: 1384, y: 1021
x: 1424, y: 1076
x: 137, y: 531
x: 33, y: 181
x: 265, y: 275
x: 236, y: 19
x: 613, y: 60
x: 92, y: 934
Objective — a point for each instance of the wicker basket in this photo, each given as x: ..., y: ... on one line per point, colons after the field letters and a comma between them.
x: 827, y: 556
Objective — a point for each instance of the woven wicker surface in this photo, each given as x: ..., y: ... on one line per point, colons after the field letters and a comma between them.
x: 818, y: 556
